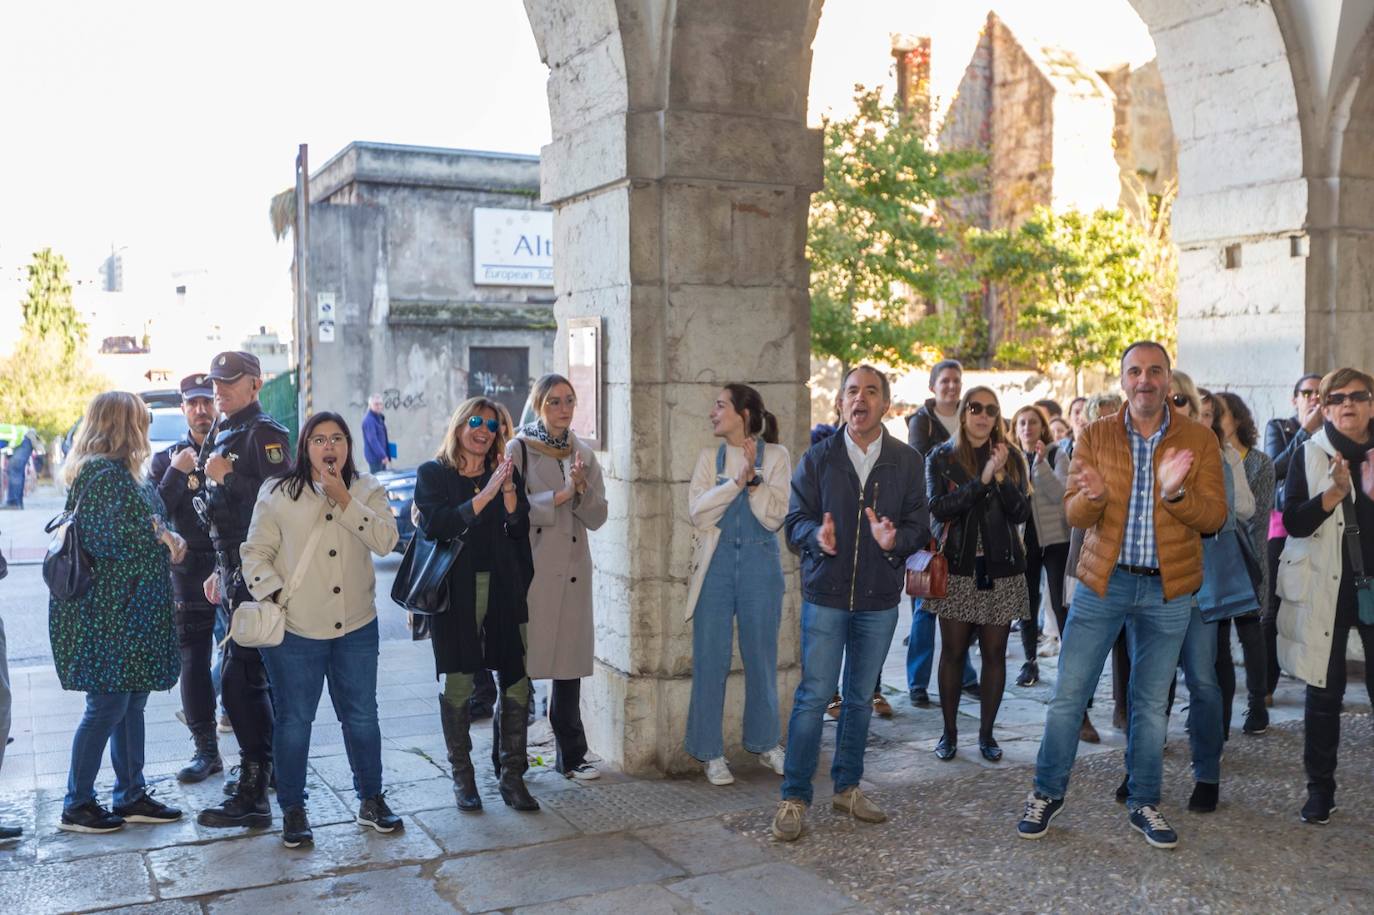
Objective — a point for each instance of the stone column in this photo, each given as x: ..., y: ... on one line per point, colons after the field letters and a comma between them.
x: 681, y: 170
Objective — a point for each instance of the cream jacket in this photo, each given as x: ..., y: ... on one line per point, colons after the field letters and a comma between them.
x: 709, y: 497
x: 338, y: 590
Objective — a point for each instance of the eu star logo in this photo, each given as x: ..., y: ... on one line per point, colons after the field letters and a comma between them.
x: 275, y: 453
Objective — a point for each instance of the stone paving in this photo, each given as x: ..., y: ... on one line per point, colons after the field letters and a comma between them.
x: 644, y: 846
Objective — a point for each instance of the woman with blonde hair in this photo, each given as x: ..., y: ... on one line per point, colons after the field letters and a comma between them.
x: 116, y: 642
x: 474, y: 493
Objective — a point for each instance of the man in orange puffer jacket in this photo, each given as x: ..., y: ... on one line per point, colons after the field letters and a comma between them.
x: 1144, y: 485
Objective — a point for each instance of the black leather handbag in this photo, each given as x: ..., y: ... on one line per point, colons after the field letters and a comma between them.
x: 67, y: 568
x: 421, y: 584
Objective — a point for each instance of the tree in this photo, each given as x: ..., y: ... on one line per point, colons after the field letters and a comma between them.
x: 48, y: 309
x: 876, y: 242
x: 1084, y: 286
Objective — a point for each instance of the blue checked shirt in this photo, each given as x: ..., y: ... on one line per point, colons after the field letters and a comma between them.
x: 1139, y: 547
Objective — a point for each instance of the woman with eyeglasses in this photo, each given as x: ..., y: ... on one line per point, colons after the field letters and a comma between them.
x: 474, y: 493
x: 1325, y: 572
x: 1283, y: 440
x: 979, y: 493
x: 567, y: 499
x: 1251, y: 468
x: 317, y: 528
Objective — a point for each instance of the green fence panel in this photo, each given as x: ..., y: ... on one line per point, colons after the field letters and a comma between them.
x: 279, y: 400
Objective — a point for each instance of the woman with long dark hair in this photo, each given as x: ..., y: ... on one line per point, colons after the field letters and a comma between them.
x: 737, y: 501
x: 979, y: 492
x: 315, y: 530
x: 473, y: 492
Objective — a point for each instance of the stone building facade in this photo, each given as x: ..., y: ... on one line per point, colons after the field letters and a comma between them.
x: 392, y: 242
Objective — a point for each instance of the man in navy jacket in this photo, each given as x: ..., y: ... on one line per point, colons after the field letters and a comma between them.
x: 376, y: 444
x: 858, y: 509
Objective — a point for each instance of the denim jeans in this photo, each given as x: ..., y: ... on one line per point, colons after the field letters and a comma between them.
x: 1155, y: 630
x: 828, y: 636
x: 299, y: 668
x: 1199, y: 657
x: 743, y: 586
x: 116, y: 719
x: 920, y: 650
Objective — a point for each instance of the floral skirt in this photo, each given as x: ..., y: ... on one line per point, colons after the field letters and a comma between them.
x: 1008, y: 600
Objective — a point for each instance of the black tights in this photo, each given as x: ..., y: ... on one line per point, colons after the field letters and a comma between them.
x: 955, y: 638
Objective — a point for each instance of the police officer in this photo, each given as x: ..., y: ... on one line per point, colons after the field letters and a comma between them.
x: 175, y: 474
x: 249, y: 447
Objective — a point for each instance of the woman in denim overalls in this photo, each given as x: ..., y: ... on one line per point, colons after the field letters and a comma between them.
x: 738, y: 500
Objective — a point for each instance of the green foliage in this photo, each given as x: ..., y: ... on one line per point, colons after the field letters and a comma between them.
x: 47, y: 381
x: 48, y: 309
x: 1084, y: 287
x: 876, y: 242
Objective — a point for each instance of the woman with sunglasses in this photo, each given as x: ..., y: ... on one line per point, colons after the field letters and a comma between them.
x: 567, y: 499
x: 327, y: 520
x: 473, y: 493
x: 1251, y: 468
x: 978, y: 488
x: 1324, y: 573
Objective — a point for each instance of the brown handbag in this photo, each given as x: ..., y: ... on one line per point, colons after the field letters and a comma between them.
x: 927, y: 573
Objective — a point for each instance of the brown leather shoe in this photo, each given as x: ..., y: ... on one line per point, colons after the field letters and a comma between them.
x: 1087, y: 733
x: 881, y: 708
x: 833, y: 709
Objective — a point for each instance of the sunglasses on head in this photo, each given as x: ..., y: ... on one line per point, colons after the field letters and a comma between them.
x: 1179, y: 400
x: 975, y: 408
x: 475, y: 422
x: 1335, y: 400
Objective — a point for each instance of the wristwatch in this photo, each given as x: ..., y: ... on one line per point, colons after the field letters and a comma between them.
x: 1178, y: 496
x: 756, y: 481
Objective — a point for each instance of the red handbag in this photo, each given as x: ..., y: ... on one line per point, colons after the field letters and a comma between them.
x: 927, y: 573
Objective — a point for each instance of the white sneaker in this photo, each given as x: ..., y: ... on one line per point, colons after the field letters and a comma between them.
x: 224, y: 726
x: 774, y: 758
x: 583, y: 773
x: 718, y: 772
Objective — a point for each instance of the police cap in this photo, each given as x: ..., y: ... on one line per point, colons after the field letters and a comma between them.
x: 197, y: 385
x: 232, y: 365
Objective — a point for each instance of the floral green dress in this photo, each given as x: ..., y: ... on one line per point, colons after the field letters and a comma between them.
x: 118, y: 637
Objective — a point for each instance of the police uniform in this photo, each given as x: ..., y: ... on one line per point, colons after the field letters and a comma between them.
x: 195, y: 616
x: 258, y: 447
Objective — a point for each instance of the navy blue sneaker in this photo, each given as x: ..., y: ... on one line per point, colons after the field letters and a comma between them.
x: 1040, y: 810
x: 1150, y: 823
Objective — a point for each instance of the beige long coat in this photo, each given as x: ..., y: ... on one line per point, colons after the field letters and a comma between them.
x: 561, y: 625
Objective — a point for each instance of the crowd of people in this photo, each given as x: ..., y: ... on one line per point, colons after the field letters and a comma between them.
x: 1152, y: 523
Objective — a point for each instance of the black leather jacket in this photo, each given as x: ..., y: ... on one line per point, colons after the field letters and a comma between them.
x: 958, y: 502
x: 177, y: 490
x: 259, y: 447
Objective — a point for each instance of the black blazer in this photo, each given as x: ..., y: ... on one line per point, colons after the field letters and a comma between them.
x: 958, y: 502
x: 444, y: 499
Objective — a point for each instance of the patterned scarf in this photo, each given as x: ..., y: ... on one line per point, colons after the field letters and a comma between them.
x: 539, y: 437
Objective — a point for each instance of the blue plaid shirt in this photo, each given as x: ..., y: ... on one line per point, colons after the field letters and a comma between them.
x: 1139, y: 547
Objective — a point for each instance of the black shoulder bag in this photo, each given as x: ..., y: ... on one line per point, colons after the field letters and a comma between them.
x: 67, y: 567
x: 421, y: 584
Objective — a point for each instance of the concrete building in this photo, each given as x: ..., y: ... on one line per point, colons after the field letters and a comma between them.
x: 430, y: 281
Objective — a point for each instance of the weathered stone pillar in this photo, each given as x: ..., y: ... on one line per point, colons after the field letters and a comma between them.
x: 681, y: 169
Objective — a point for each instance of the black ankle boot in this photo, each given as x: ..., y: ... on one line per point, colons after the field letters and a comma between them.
x: 231, y: 784
x: 248, y: 805
x: 514, y: 762
x: 206, y: 761
x: 456, y: 722
x: 1204, y: 799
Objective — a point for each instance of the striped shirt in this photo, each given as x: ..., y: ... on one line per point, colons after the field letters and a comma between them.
x: 1139, y: 548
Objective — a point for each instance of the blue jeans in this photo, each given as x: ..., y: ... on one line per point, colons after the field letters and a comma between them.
x: 920, y: 650
x: 828, y: 637
x: 1155, y: 629
x: 298, y: 668
x: 116, y: 719
x: 743, y: 583
x: 1204, y: 697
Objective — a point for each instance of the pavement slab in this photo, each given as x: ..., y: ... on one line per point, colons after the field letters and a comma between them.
x: 70, y: 886
x: 400, y: 890
x: 773, y: 887
x: 703, y: 846
x: 496, y: 826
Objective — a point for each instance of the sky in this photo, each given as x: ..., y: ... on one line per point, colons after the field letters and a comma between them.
x: 163, y: 129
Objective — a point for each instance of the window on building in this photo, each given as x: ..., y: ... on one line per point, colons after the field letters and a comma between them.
x: 501, y: 373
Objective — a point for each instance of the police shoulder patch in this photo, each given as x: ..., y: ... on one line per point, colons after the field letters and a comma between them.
x: 275, y: 453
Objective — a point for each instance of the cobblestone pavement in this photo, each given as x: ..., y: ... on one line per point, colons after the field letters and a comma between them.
x: 646, y: 846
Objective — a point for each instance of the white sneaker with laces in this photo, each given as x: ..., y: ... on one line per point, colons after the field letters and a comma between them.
x: 718, y: 772
x: 774, y: 758
x: 583, y: 773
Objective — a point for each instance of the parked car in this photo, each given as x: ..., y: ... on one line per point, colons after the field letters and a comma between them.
x: 400, y: 495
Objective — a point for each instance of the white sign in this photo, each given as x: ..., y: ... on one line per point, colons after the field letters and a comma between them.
x: 512, y: 247
x: 325, y: 317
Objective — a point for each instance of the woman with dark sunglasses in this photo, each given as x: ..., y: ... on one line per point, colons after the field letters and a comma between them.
x: 473, y: 493
x: 978, y: 488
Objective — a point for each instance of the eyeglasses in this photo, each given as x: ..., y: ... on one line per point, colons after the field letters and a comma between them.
x: 1335, y: 400
x: 1308, y: 393
x: 975, y: 408
x: 319, y: 441
x: 475, y: 422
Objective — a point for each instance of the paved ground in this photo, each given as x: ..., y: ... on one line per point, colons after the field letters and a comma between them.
x: 646, y: 846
